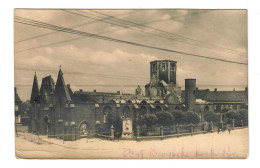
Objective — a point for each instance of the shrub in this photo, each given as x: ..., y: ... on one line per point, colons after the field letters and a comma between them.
x: 192, y: 118
x: 165, y: 118
x: 179, y: 116
x: 211, y: 116
x: 243, y: 113
x: 149, y: 119
x: 232, y: 115
x: 226, y: 109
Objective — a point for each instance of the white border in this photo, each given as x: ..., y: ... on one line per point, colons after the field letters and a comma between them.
x: 7, y: 81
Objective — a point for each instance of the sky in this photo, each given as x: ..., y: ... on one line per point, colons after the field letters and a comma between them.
x: 90, y: 63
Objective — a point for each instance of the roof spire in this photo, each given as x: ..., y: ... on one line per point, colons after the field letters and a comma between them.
x: 35, y: 89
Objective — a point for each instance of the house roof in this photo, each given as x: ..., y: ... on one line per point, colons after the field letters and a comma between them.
x: 226, y: 96
x: 16, y: 97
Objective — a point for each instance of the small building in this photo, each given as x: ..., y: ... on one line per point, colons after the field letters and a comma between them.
x: 17, y: 104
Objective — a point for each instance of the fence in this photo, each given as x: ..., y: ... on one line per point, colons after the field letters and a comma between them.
x: 142, y: 133
x: 184, y: 130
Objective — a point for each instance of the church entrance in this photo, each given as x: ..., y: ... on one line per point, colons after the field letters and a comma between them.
x: 83, y: 129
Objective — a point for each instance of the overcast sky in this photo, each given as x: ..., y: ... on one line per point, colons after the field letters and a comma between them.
x: 90, y: 63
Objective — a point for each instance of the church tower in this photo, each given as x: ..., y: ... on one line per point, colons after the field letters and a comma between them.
x: 162, y: 78
x: 163, y: 70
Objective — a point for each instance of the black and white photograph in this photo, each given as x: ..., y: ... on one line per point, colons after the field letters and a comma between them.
x: 131, y: 83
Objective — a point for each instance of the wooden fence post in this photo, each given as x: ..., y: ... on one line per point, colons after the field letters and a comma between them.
x: 204, y: 127
x: 112, y: 136
x: 177, y: 130
x: 211, y: 127
x: 161, y: 131
x: 137, y: 132
x: 221, y: 125
x: 233, y: 123
x: 38, y: 138
x: 191, y: 129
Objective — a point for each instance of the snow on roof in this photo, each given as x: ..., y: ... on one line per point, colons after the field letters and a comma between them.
x: 200, y: 101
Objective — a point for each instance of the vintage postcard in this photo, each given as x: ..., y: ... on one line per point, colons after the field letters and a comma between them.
x: 131, y: 84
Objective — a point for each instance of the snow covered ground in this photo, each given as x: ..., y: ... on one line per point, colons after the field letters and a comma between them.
x: 211, y: 145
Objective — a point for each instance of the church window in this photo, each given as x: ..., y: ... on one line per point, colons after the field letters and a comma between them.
x: 126, y: 112
x: 172, y: 67
x: 143, y: 111
x: 107, y: 112
x: 153, y: 67
x: 163, y: 67
x: 16, y: 107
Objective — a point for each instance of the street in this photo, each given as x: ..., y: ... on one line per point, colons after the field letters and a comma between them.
x: 212, y: 145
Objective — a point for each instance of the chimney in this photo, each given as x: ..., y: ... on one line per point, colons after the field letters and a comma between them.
x: 15, y: 90
x: 95, y: 91
x: 118, y: 92
x: 197, y: 88
x: 234, y: 89
x: 81, y: 90
x: 215, y: 90
x: 246, y: 89
x: 68, y: 85
x: 190, y: 94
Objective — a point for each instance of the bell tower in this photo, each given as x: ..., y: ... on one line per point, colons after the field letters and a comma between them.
x: 163, y: 70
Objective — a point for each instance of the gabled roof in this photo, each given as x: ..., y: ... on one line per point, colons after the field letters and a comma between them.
x: 35, y: 90
x: 16, y: 97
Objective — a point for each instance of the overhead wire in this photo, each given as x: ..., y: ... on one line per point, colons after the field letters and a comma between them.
x: 150, y: 33
x: 67, y: 30
x: 88, y: 74
x: 79, y: 25
x: 79, y: 38
x: 162, y: 31
x: 69, y: 40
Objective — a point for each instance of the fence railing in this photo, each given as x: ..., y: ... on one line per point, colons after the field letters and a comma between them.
x: 191, y: 129
x: 141, y: 134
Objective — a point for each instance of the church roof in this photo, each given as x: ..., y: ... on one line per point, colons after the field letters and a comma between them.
x: 48, y: 80
x: 61, y: 84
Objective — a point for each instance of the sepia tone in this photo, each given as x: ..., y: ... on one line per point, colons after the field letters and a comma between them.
x: 131, y: 84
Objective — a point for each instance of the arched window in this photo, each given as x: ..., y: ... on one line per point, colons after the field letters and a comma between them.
x: 106, y: 112
x: 206, y: 109
x: 126, y: 112
x: 143, y: 111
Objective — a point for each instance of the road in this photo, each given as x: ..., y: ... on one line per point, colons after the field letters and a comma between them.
x: 211, y: 145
